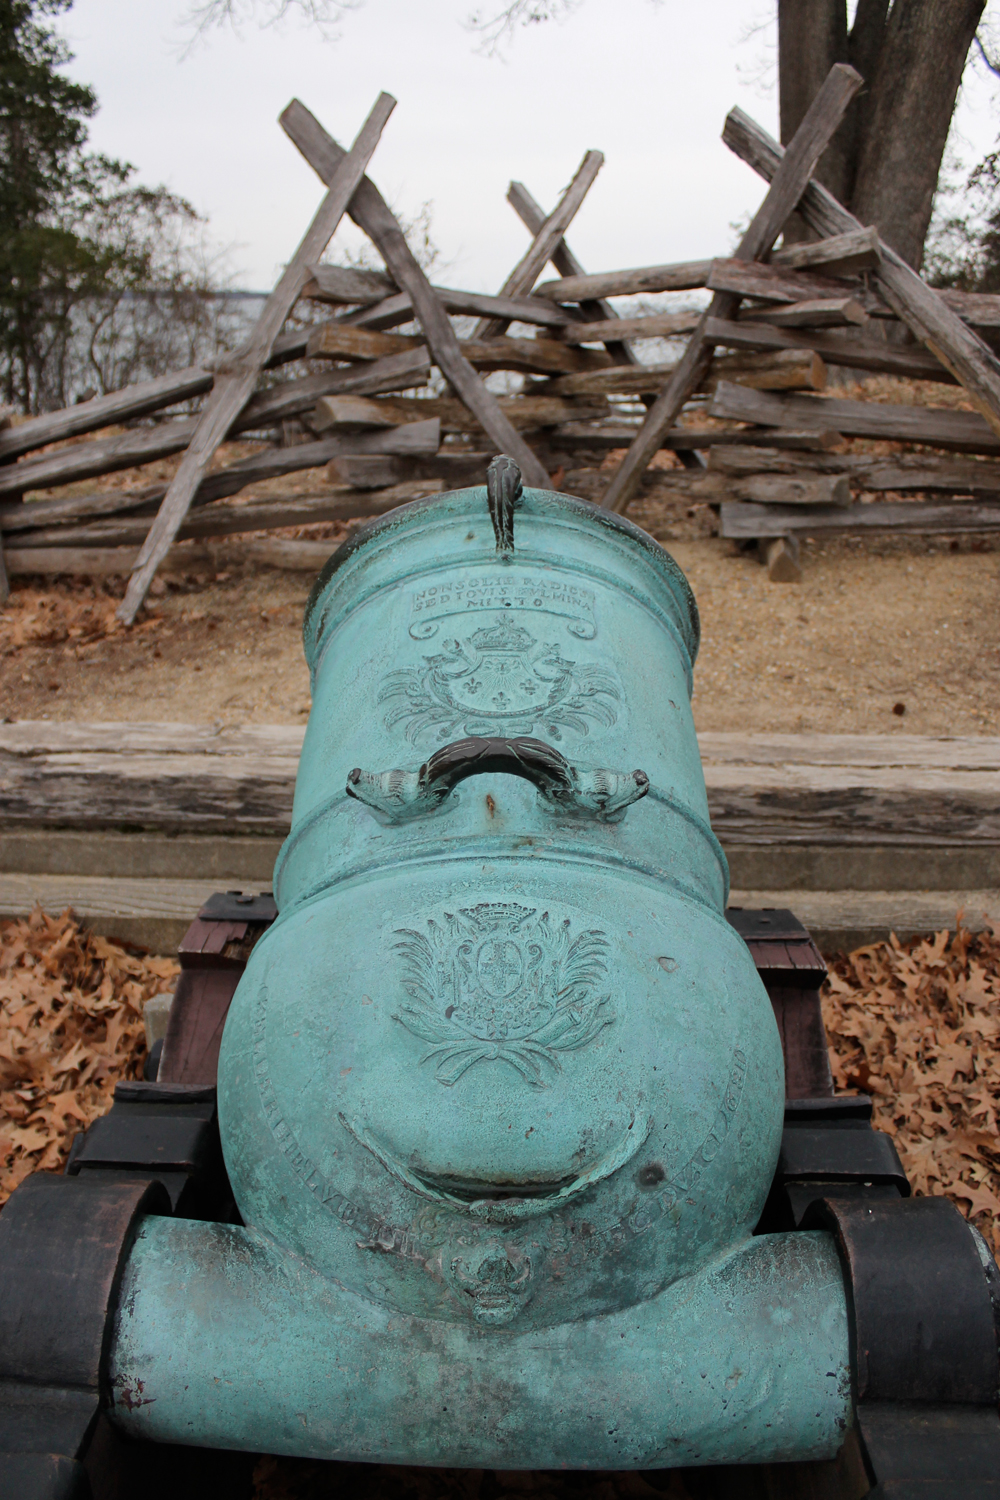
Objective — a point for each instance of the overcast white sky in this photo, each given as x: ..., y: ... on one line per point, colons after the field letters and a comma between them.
x: 648, y: 84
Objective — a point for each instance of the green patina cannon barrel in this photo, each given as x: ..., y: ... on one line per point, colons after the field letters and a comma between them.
x: 501, y: 1059
x: 500, y: 1091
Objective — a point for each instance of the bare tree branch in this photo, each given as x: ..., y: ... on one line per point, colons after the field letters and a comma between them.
x: 497, y: 27
x: 324, y: 15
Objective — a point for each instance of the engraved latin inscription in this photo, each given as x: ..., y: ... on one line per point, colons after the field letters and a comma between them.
x: 506, y: 590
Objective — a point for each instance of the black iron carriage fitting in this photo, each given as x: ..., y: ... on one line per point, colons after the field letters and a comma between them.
x: 923, y: 1288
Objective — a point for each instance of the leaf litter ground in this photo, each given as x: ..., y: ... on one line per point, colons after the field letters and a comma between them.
x: 70, y: 1027
x: 915, y: 1024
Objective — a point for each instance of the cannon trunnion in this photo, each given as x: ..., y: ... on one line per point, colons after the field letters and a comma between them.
x: 524, y: 1154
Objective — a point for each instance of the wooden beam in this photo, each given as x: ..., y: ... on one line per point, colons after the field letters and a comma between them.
x: 342, y: 285
x: 525, y: 412
x: 854, y: 353
x: 781, y: 558
x: 935, y: 427
x: 534, y: 356
x: 398, y: 372
x: 294, y: 510
x: 914, y: 517
x: 120, y: 406
x: 682, y: 276
x: 839, y: 255
x: 132, y: 449
x: 794, y: 489
x: 417, y: 439
x: 605, y: 439
x: 789, y: 369
x: 652, y: 326
x: 889, y: 789
x: 228, y: 520
x: 797, y: 166
x: 539, y: 252
x: 335, y: 340
x: 398, y: 308
x: 820, y: 312
x: 372, y: 214
x: 928, y: 314
x: 234, y: 388
x: 773, y: 284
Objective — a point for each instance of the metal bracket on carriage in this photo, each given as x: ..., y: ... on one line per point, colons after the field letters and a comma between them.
x: 576, y: 791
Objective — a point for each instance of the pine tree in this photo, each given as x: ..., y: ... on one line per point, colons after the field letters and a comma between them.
x: 75, y: 234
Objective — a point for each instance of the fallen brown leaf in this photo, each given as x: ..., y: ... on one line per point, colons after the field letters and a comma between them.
x: 913, y: 1024
x: 70, y: 1028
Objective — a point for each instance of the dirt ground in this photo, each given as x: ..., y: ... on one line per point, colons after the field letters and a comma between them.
x: 882, y: 634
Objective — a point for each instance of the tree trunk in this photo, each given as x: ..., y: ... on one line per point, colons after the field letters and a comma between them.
x: 812, y: 36
x: 913, y: 98
x: 864, y: 48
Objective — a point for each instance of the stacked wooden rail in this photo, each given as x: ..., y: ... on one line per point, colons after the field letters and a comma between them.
x: 745, y: 406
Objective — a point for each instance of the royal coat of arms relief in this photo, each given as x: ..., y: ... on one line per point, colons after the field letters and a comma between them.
x: 500, y: 680
x: 505, y: 983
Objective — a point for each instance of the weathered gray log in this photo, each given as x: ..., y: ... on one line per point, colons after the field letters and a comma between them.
x: 525, y: 412
x: 682, y: 276
x: 840, y: 255
x: 921, y: 471
x: 539, y: 252
x: 99, y: 456
x: 576, y: 436
x: 18, y: 516
x: 414, y: 441
x: 398, y: 372
x: 914, y: 517
x: 929, y: 315
x: 534, y: 356
x: 781, y: 558
x: 132, y: 449
x: 125, y: 405
x: 398, y: 308
x: 185, y: 558
x: 937, y: 427
x: 821, y: 312
x: 365, y: 472
x: 372, y: 214
x: 353, y: 414
x: 853, y: 353
x: 792, y: 489
x: 344, y: 286
x: 802, y: 370
x: 229, y: 520
x: 235, y: 387
x: 798, y: 163
x: 336, y: 340
x: 299, y: 556
x: 653, y: 326
x: 762, y: 789
x: 774, y: 284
